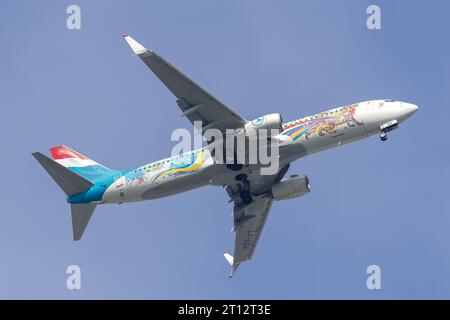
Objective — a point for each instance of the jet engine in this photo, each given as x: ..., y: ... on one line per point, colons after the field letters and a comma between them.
x: 289, y: 188
x: 268, y: 122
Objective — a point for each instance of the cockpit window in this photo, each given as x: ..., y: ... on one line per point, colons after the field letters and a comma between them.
x: 390, y: 100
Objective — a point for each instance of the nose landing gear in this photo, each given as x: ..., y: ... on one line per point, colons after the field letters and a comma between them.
x: 389, y: 126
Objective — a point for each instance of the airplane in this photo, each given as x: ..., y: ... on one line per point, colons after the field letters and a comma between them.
x: 88, y: 183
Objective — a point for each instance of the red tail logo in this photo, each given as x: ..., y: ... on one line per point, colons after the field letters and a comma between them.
x: 63, y: 152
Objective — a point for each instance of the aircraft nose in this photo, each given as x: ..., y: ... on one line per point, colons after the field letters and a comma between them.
x: 410, y: 109
x: 406, y: 110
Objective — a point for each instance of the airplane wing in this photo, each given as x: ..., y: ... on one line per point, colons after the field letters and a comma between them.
x: 249, y: 221
x: 196, y: 103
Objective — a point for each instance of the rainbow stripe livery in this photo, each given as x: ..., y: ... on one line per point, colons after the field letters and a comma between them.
x: 322, y: 123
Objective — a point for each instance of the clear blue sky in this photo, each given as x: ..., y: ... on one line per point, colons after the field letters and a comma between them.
x: 371, y: 202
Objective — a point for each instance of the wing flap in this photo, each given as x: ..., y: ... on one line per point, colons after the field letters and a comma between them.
x: 248, y: 228
x: 249, y: 222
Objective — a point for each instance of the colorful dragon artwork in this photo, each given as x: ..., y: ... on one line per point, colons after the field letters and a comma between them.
x: 183, y: 165
x: 322, y: 123
x: 186, y: 163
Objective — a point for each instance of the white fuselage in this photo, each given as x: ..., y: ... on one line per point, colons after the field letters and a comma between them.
x: 299, y: 138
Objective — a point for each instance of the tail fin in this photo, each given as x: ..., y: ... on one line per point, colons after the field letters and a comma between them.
x: 69, y: 181
x: 80, y: 164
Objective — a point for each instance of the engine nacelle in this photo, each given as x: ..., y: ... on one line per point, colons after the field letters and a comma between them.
x: 268, y: 122
x: 293, y: 187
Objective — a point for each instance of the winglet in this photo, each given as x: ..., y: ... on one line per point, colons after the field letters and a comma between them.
x: 134, y: 45
x: 230, y: 260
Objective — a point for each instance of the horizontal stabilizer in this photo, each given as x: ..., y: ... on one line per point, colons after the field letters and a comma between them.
x: 69, y: 181
x: 81, y: 214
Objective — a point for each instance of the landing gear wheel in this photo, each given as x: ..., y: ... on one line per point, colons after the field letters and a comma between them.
x: 244, y: 186
x: 241, y: 177
x: 383, y: 136
x: 246, y: 197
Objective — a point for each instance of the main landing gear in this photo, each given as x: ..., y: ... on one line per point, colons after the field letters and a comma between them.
x: 244, y: 187
x: 383, y: 136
